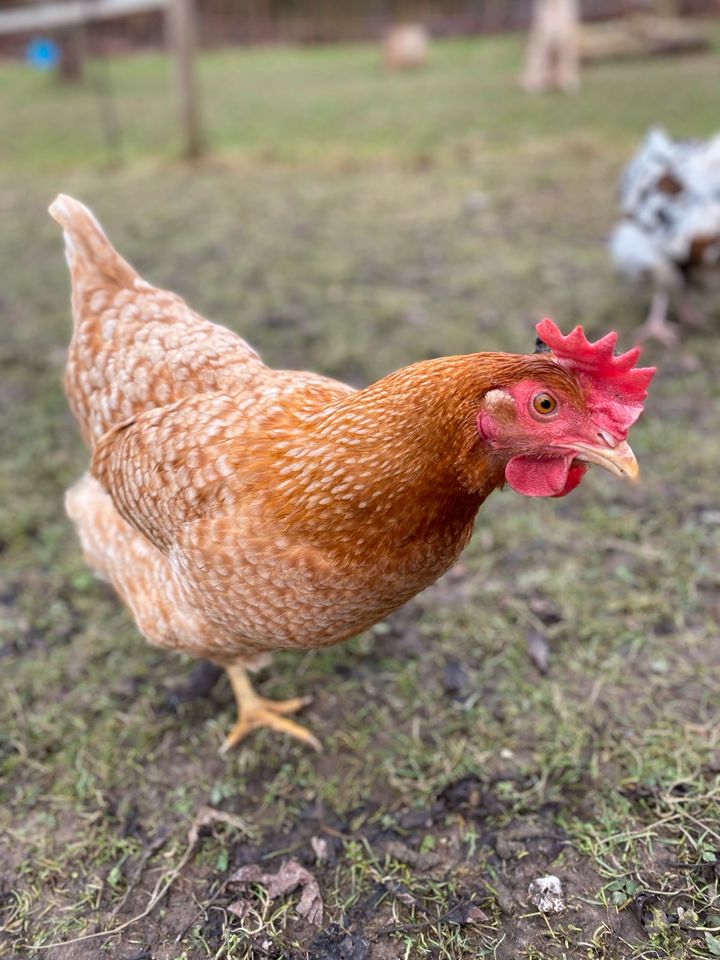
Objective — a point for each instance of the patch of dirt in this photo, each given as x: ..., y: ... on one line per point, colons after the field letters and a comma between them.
x: 412, y: 852
x: 493, y: 877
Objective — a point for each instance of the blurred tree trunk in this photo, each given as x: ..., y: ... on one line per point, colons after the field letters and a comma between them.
x: 71, y: 41
x: 183, y: 38
x: 552, y: 60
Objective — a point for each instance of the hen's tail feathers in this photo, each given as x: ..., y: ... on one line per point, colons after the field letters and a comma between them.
x: 90, y: 255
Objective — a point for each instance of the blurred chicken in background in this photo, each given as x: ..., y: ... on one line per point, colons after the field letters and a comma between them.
x: 670, y: 202
x: 406, y: 47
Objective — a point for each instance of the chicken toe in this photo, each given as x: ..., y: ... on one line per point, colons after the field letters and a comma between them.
x: 255, y: 711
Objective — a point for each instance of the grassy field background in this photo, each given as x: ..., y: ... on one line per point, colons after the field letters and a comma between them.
x: 352, y: 222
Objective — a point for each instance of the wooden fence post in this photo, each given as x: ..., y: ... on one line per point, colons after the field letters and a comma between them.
x: 72, y: 52
x: 183, y: 40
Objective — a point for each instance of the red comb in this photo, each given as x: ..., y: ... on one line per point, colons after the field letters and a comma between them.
x: 617, y: 386
x: 598, y: 359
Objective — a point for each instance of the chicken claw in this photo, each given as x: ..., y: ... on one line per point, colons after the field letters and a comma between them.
x: 255, y: 711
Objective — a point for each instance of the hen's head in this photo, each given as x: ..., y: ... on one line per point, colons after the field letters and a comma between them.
x: 570, y: 405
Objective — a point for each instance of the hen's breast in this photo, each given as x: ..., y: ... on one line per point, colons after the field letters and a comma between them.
x: 265, y: 592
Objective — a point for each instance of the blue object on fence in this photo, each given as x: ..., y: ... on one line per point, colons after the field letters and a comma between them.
x: 42, y: 53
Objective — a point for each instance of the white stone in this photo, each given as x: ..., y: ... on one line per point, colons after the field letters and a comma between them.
x: 546, y: 894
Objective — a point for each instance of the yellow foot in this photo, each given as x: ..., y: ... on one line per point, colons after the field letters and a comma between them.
x: 255, y: 711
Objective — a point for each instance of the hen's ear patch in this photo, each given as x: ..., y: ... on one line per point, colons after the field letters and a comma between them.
x: 497, y: 400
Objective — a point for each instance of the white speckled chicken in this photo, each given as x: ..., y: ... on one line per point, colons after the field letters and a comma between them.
x: 670, y: 201
x: 238, y: 509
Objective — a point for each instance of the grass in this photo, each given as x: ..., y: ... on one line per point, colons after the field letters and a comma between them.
x: 352, y: 223
x: 334, y: 105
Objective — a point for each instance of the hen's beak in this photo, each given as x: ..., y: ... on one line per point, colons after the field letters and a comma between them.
x: 619, y: 460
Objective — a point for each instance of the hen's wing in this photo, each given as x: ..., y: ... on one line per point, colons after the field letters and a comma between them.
x: 135, y: 347
x: 206, y: 455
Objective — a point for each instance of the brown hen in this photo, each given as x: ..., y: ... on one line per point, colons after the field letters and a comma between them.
x: 238, y: 509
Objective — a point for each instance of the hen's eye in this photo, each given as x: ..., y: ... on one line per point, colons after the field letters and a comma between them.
x: 544, y: 404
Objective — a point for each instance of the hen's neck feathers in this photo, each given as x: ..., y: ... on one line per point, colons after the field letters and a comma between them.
x: 400, y: 460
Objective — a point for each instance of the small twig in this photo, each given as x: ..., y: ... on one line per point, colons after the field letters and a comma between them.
x: 638, y: 834
x: 160, y: 890
x: 409, y: 927
x: 204, y: 816
x: 207, y: 815
x: 202, y: 912
x: 157, y: 843
x: 703, y: 826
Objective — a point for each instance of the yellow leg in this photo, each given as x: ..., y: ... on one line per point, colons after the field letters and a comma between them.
x: 255, y: 711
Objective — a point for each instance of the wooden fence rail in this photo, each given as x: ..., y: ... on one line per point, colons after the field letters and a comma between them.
x: 52, y: 16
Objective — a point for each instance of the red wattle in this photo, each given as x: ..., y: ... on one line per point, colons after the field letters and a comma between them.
x: 575, y: 474
x: 548, y: 477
